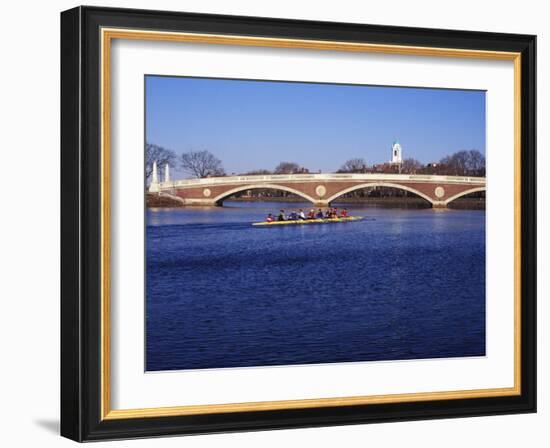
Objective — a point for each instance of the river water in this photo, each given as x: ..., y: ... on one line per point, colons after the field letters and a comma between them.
x: 401, y: 284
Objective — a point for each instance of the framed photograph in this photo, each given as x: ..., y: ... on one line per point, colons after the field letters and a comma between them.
x: 274, y: 223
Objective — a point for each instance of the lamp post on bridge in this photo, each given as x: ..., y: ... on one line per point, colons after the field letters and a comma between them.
x: 154, y: 187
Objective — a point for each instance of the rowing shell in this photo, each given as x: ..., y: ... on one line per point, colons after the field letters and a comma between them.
x: 307, y: 221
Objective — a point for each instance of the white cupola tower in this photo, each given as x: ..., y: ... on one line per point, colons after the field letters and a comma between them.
x: 396, y: 153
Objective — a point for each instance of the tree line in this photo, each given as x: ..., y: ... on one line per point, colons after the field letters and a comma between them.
x: 461, y: 163
x: 201, y: 164
x: 196, y: 163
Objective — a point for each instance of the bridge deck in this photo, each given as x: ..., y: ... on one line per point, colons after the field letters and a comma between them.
x: 320, y: 189
x: 323, y: 177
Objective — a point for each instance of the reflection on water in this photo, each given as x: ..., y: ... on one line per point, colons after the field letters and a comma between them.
x: 405, y: 284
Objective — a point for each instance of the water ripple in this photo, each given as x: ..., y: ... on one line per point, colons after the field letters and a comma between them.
x: 220, y: 293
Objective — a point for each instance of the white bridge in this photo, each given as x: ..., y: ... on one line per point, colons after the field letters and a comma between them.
x: 320, y: 189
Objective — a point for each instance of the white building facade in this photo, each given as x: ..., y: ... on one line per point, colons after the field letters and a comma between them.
x: 396, y: 156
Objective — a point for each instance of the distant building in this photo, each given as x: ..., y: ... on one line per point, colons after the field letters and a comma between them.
x: 386, y: 168
x: 392, y: 167
x: 396, y: 156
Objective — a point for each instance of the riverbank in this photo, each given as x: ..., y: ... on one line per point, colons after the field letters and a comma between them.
x: 156, y: 201
x: 468, y: 204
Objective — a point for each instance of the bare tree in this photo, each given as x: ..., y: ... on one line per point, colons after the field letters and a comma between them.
x: 357, y: 165
x: 287, y: 168
x: 155, y: 153
x: 411, y: 166
x: 464, y: 163
x: 257, y: 172
x: 454, y: 164
x: 461, y: 160
x: 476, y: 163
x: 201, y: 164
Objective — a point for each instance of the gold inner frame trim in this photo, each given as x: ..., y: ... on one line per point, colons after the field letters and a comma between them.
x: 107, y: 35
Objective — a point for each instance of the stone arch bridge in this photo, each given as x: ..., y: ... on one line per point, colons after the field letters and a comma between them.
x: 319, y: 189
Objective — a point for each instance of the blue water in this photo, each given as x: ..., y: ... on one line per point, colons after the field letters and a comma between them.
x: 405, y: 284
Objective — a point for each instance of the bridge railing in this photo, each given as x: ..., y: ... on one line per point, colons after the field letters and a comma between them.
x: 322, y: 177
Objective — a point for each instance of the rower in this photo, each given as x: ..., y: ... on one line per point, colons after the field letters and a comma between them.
x: 281, y: 216
x: 269, y: 218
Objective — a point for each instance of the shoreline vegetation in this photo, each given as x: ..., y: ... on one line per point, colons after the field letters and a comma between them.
x: 472, y: 203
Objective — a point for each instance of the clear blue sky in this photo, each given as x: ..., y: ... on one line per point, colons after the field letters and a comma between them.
x: 257, y: 124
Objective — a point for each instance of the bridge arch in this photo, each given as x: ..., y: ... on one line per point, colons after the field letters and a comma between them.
x: 379, y: 184
x: 219, y: 199
x: 464, y: 193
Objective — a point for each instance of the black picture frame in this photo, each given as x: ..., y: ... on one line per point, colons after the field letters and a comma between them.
x: 81, y: 224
